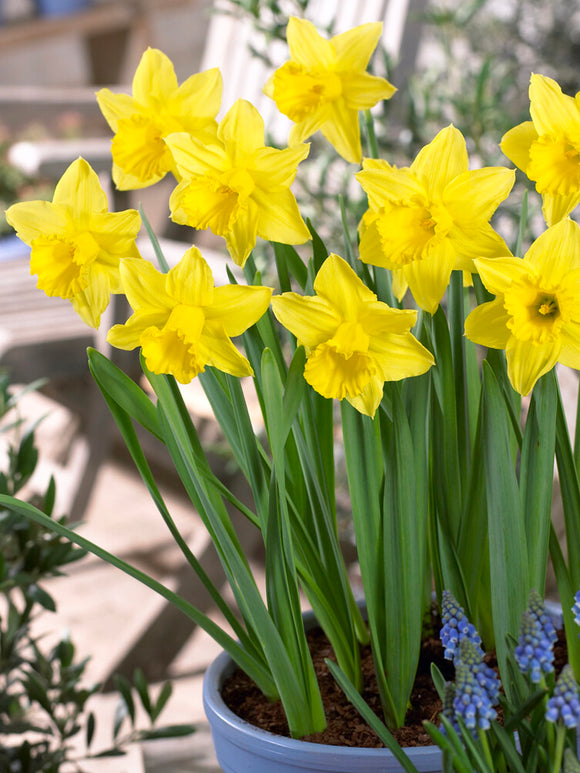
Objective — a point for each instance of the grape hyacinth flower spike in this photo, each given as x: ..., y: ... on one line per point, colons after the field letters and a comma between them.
x: 534, y: 653
x: 476, y: 688
x: 576, y: 608
x: 564, y: 704
x: 455, y: 626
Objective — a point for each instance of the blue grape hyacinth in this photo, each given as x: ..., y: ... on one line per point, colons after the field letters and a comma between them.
x: 564, y: 704
x: 534, y: 653
x: 576, y: 608
x: 476, y: 687
x: 455, y: 626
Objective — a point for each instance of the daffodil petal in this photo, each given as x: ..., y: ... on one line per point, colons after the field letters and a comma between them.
x: 340, y: 287
x: 311, y: 319
x: 528, y: 361
x: 128, y: 335
x: 279, y: 219
x: 200, y: 95
x: 476, y: 242
x: 383, y: 182
x: 79, y: 187
x: 556, y: 251
x: 31, y: 219
x: 552, y: 111
x: 242, y: 128
x: 275, y: 167
x: 190, y: 282
x: 428, y: 278
x: 238, y: 307
x: 556, y: 207
x: 224, y: 355
x: 144, y: 285
x: 342, y: 130
x: 310, y: 125
x: 487, y: 325
x: 371, y: 246
x: 114, y: 107
x: 361, y: 90
x: 439, y: 162
x: 306, y: 46
x: 355, y: 47
x: 117, y: 231
x: 91, y: 302
x: 241, y: 239
x: 193, y: 157
x: 130, y: 182
x: 400, y: 284
x: 498, y: 273
x: 516, y: 144
x: 378, y: 319
x: 476, y: 194
x: 154, y: 78
x: 369, y: 399
x: 570, y: 354
x: 401, y: 356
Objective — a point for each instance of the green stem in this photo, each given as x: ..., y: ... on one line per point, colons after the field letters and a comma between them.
x: 559, y: 750
x: 485, y: 748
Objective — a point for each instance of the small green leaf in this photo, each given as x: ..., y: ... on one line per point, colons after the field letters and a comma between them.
x: 41, y: 597
x: 438, y: 680
x: 91, y: 725
x: 142, y: 688
x: 123, y: 686
x: 171, y: 731
x: 161, y: 702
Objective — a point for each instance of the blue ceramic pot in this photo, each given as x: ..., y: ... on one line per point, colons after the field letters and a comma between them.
x: 61, y: 7
x: 243, y: 748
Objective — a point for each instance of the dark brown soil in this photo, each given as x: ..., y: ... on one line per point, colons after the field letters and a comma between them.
x: 345, y: 726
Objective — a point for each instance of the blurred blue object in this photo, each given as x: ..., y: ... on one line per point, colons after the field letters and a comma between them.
x: 11, y: 248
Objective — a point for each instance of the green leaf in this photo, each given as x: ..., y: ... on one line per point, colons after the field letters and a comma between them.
x: 90, y: 731
x: 370, y: 717
x: 537, y: 475
x: 123, y: 686
x: 40, y: 596
x: 508, y: 747
x: 124, y: 391
x: 142, y: 688
x: 319, y: 251
x: 403, y: 521
x: 164, y: 695
x: 289, y: 263
x: 438, y: 680
x: 171, y: 731
x: 509, y: 573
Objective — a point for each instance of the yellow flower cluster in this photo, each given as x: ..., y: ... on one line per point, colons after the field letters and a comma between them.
x: 423, y: 222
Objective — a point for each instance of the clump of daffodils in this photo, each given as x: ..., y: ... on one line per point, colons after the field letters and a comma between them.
x: 449, y: 482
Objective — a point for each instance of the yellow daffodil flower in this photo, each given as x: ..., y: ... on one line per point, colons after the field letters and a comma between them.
x: 547, y: 148
x: 324, y: 85
x: 354, y: 342
x: 182, y: 322
x: 236, y: 186
x: 158, y: 107
x: 535, y: 316
x: 76, y: 243
x: 428, y: 219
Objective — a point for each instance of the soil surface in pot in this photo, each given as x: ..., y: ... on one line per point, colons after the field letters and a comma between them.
x: 345, y: 726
